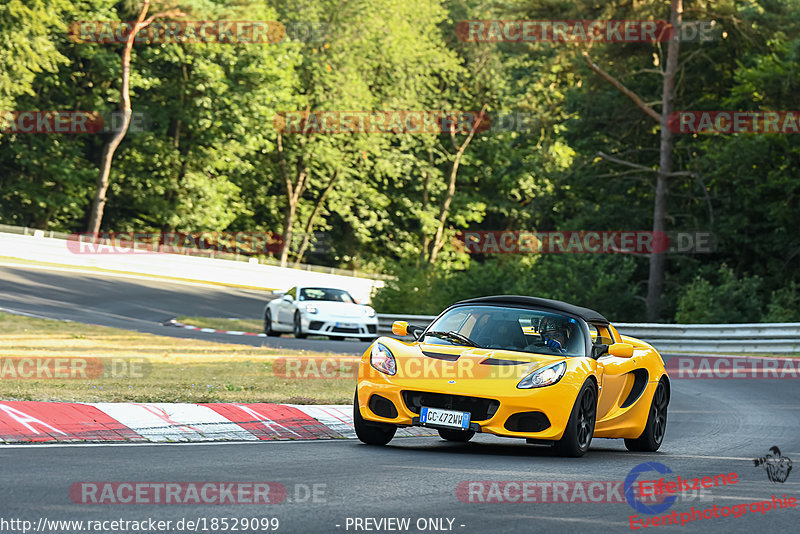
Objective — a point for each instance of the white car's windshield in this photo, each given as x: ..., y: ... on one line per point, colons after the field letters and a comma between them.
x: 324, y: 293
x: 520, y: 329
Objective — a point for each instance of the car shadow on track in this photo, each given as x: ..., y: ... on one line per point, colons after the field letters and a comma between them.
x: 514, y: 448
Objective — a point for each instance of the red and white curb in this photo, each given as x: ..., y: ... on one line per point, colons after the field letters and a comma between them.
x: 29, y: 421
x: 173, y: 322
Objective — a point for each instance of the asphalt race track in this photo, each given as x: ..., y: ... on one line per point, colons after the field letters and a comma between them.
x: 714, y: 427
x: 141, y: 304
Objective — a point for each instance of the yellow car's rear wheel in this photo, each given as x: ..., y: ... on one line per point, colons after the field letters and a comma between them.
x: 369, y: 432
x: 653, y: 434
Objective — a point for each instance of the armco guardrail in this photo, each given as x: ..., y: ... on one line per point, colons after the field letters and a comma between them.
x: 768, y: 338
x: 189, y: 251
x: 385, y: 321
x: 40, y: 247
x: 744, y: 337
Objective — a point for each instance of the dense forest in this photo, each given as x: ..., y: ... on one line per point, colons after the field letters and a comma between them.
x: 574, y: 141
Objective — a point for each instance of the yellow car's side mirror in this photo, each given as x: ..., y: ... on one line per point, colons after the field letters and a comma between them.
x: 400, y: 328
x: 621, y: 350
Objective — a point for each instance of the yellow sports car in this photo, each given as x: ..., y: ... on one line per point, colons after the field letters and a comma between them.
x: 515, y: 366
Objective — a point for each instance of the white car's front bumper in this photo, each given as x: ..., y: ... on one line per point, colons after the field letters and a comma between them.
x: 341, y: 327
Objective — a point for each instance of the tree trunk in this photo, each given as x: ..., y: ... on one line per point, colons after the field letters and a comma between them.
x: 288, y: 221
x: 99, y: 201
x: 311, y: 219
x: 655, y: 282
x: 438, y: 238
x: 293, y: 193
x: 426, y: 239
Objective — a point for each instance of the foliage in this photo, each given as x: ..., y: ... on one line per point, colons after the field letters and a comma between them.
x: 208, y: 158
x: 725, y: 298
x: 565, y: 277
x: 784, y: 305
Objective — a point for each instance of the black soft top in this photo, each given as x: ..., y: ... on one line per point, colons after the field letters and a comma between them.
x: 590, y: 316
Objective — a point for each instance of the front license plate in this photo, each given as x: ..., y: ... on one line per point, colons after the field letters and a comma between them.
x: 444, y: 418
x: 346, y: 325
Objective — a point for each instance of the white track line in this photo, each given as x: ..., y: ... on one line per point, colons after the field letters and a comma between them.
x: 35, y: 316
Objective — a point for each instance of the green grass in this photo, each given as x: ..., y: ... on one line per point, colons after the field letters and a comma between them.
x: 170, y: 369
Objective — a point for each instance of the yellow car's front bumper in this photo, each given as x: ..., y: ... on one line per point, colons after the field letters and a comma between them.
x: 554, y: 402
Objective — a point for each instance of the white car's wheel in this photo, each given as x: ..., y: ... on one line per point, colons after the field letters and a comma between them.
x: 268, y: 324
x: 298, y: 327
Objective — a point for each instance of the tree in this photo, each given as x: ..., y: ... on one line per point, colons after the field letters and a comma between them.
x: 655, y: 283
x: 27, y: 46
x: 362, y: 65
x: 200, y: 166
x: 444, y: 211
x: 99, y: 201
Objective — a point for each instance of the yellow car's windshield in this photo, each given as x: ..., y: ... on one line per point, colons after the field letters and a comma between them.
x: 509, y: 328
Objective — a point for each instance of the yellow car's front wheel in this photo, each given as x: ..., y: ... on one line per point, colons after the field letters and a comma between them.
x: 580, y: 427
x: 368, y: 432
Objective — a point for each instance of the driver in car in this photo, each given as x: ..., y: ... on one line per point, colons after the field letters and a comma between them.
x: 555, y: 334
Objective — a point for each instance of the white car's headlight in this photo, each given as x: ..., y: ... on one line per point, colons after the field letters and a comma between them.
x: 382, y: 359
x: 310, y: 308
x: 546, y: 376
x: 369, y: 312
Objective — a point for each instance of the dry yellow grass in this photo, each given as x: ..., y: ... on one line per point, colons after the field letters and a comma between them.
x: 166, y: 370
x: 221, y: 323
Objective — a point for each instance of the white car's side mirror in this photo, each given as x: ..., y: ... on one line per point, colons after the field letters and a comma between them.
x: 287, y: 298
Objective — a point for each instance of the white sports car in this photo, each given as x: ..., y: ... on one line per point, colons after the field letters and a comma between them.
x: 319, y: 311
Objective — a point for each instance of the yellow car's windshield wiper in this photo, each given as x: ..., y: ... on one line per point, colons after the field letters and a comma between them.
x: 462, y: 339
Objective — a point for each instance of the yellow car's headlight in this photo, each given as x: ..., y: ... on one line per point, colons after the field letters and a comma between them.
x: 546, y: 376
x: 382, y: 359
